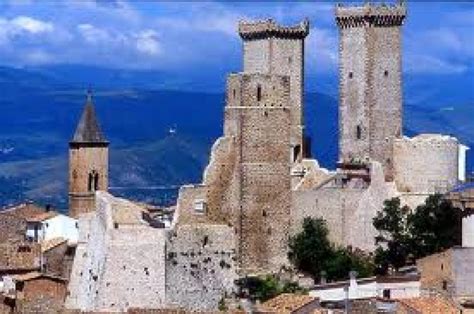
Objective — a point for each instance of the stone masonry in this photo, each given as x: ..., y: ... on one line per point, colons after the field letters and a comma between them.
x: 120, y: 259
x: 270, y: 48
x: 370, y: 108
x: 88, y: 162
x: 249, y: 168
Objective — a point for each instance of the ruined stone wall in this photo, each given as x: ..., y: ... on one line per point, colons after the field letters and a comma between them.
x: 134, y: 271
x: 117, y: 264
x: 348, y: 210
x: 426, y: 163
x: 200, y: 266
x: 83, y: 160
x: 370, y: 82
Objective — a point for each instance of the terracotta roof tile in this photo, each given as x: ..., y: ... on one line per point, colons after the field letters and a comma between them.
x: 429, y: 305
x: 25, y: 211
x: 52, y: 243
x: 286, y: 303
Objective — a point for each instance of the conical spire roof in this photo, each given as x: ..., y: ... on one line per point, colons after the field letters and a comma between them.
x: 88, y: 130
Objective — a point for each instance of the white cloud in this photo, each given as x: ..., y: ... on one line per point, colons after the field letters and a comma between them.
x: 31, y: 25
x: 93, y: 34
x: 426, y: 64
x: 322, y: 49
x: 147, y: 42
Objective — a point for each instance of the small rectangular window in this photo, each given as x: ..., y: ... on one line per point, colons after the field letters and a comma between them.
x: 386, y: 293
x: 200, y: 206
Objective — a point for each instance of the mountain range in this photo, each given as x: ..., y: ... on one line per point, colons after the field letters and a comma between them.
x: 160, y: 132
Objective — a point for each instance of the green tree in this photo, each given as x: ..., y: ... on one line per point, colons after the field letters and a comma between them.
x: 434, y: 226
x: 266, y: 287
x: 404, y: 234
x: 309, y: 248
x: 391, y: 223
x: 312, y: 252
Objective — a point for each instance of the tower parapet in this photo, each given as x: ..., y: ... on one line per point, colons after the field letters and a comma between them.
x: 370, y: 15
x: 268, y: 28
x: 270, y: 48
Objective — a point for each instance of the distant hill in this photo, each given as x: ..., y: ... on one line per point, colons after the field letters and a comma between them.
x: 40, y: 109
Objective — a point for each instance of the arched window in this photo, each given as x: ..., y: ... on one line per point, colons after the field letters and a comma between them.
x: 93, y: 181
x: 259, y: 92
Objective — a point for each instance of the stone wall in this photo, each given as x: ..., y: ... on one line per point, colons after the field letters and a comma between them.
x: 273, y: 49
x: 348, y: 210
x: 427, y: 163
x: 19, y: 256
x: 120, y: 259
x: 12, y: 228
x: 370, y: 82
x: 83, y: 160
x: 437, y: 272
x: 263, y: 167
x: 200, y: 266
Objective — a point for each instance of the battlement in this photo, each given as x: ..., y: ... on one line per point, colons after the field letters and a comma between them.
x: 378, y: 15
x: 268, y: 28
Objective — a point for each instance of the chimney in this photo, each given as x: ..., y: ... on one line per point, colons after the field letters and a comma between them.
x: 353, y: 278
x: 323, y: 279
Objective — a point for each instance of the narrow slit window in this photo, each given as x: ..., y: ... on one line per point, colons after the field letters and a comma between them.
x: 359, y: 132
x: 96, y: 181
x: 259, y: 93
x: 89, y: 182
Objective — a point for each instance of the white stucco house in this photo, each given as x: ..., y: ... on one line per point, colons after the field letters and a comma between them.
x: 50, y: 225
x: 386, y: 287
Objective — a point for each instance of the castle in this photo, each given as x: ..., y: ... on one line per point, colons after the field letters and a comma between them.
x: 260, y: 181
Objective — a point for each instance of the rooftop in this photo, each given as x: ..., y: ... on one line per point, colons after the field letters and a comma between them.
x: 287, y: 302
x: 88, y: 130
x: 432, y: 305
x: 27, y: 211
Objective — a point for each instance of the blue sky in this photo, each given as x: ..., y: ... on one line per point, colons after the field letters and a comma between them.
x: 199, y: 39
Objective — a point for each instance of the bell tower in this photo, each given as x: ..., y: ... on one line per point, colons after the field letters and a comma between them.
x: 88, y: 162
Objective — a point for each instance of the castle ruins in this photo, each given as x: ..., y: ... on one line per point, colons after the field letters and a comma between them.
x: 260, y: 182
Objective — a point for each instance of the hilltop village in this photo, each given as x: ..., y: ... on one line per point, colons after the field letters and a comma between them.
x: 116, y: 255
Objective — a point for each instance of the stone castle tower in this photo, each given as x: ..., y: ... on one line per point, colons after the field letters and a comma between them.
x: 257, y: 116
x: 270, y: 48
x: 88, y: 162
x: 370, y: 106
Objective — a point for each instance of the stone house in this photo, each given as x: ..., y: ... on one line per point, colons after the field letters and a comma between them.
x: 35, y: 292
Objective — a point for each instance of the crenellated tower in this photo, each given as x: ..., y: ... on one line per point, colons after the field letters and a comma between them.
x: 370, y: 107
x: 88, y: 162
x: 270, y: 48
